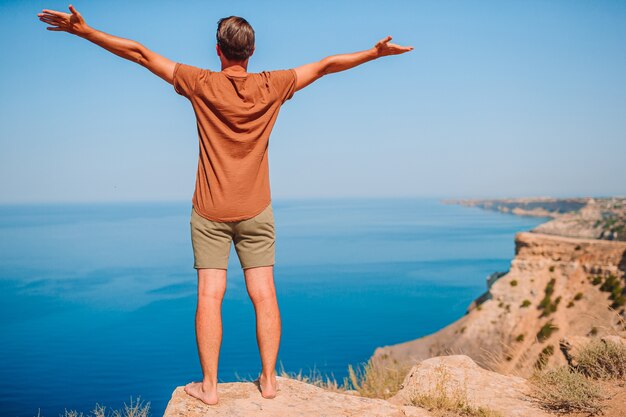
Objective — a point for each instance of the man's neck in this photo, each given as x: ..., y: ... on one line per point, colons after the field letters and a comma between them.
x: 236, y: 69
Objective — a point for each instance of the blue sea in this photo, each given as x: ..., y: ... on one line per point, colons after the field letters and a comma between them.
x: 97, y: 301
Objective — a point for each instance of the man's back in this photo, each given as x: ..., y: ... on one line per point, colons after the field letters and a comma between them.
x: 235, y: 112
x: 235, y: 115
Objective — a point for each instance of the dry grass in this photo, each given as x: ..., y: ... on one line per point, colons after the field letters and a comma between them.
x: 602, y: 359
x: 314, y: 377
x: 374, y: 379
x: 377, y: 378
x: 502, y: 357
x: 447, y: 400
x: 562, y: 390
x: 544, y: 357
x: 446, y: 406
x: 136, y: 408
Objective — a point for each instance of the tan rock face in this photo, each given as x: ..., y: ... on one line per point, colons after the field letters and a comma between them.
x: 456, y: 376
x: 295, y: 398
x: 503, y: 332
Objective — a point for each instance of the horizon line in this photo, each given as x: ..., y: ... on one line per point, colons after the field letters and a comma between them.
x: 296, y: 198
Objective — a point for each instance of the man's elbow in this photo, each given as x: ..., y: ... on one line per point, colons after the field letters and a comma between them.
x: 324, y: 67
x: 140, y: 55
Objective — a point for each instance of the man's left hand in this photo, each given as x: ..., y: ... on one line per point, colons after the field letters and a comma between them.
x: 72, y: 23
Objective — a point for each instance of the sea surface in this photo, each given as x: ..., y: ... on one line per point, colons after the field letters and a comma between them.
x: 97, y: 301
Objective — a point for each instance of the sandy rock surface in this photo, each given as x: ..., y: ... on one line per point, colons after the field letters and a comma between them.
x: 295, y: 398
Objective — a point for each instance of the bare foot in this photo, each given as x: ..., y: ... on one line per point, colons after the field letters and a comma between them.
x: 269, y: 387
x: 196, y: 390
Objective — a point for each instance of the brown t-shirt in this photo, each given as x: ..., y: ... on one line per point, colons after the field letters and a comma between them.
x: 235, y: 115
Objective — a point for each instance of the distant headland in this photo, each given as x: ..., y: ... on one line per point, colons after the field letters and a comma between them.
x: 588, y: 218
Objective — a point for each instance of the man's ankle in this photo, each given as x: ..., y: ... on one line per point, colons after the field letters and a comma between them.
x: 208, y: 385
x: 268, y: 374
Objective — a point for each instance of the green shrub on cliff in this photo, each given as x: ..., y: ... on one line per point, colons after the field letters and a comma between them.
x: 546, y: 331
x: 546, y: 305
x: 596, y: 280
x: 613, y: 285
x: 525, y: 303
x: 577, y: 297
x: 610, y: 283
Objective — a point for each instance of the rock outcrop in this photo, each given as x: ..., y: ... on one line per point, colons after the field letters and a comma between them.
x: 451, y: 376
x: 295, y: 398
x: 459, y: 376
x: 552, y: 289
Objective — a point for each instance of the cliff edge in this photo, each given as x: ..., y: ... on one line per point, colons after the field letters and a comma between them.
x: 557, y: 286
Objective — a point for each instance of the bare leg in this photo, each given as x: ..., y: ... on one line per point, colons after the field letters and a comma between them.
x: 260, y: 285
x: 211, y: 289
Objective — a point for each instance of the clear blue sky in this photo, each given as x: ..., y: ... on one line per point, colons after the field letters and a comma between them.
x: 497, y: 99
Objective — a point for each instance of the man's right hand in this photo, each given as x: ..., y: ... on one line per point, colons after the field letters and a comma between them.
x: 71, y: 23
x: 384, y: 48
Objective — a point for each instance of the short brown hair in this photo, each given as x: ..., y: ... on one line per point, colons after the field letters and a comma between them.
x: 235, y: 38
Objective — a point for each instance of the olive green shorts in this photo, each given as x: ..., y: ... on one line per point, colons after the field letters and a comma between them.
x: 254, y: 240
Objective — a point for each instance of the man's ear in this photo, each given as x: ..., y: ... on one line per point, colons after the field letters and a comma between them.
x: 219, y: 51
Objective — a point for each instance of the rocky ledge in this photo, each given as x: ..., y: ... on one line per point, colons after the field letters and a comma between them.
x: 448, y: 375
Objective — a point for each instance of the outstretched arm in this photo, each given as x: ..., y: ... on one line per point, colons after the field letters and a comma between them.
x: 75, y: 24
x: 335, y: 63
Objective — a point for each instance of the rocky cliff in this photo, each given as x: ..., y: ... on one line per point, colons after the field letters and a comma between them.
x: 557, y: 286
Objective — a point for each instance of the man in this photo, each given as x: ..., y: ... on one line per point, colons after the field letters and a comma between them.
x: 235, y: 112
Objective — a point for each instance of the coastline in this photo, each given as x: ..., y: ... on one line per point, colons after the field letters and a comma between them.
x: 500, y: 328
